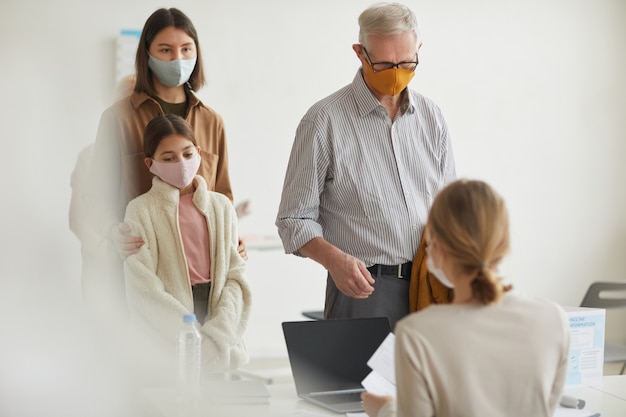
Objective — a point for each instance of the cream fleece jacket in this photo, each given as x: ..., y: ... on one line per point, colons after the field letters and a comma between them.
x: 158, y: 288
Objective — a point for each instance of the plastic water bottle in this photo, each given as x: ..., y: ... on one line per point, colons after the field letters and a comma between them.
x: 189, y: 350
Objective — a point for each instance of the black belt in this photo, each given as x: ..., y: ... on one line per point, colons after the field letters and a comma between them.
x: 402, y: 271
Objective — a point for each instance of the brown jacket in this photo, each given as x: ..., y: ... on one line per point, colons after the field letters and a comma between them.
x: 119, y: 173
x: 425, y: 289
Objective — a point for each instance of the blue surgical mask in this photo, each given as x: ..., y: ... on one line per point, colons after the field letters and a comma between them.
x: 172, y: 73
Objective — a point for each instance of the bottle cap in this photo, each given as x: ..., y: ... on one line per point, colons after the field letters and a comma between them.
x: 189, y: 318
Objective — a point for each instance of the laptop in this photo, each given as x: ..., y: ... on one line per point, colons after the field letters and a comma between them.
x: 328, y: 359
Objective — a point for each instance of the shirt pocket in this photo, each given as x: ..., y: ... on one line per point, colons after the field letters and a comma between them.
x: 370, y: 199
x: 359, y: 195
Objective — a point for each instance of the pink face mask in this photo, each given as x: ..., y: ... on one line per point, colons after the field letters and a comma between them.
x: 178, y: 174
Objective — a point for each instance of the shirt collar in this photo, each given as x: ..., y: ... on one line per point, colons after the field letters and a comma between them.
x: 137, y: 99
x: 408, y: 102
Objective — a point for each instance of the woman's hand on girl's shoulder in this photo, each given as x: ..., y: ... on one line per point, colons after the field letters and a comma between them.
x: 125, y: 244
x: 241, y: 249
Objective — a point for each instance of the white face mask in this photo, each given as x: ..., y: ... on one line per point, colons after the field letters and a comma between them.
x: 438, y: 272
x: 172, y: 73
x: 179, y: 174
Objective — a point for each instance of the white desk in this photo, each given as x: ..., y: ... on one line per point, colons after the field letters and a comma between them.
x: 614, y: 385
x: 162, y: 402
x: 609, y: 400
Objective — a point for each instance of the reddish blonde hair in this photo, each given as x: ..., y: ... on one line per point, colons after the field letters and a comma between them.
x: 471, y: 222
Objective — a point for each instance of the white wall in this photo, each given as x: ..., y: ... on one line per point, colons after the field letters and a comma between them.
x: 533, y: 92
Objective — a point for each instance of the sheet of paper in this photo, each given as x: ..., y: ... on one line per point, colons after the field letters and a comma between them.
x: 382, y: 379
x: 382, y: 361
x: 379, y: 385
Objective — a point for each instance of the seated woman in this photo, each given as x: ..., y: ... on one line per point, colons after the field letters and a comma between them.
x: 189, y: 262
x: 488, y: 353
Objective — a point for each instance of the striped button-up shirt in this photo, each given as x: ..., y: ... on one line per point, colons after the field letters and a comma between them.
x: 361, y: 181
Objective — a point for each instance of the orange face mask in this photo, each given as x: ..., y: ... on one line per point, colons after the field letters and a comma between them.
x: 389, y: 82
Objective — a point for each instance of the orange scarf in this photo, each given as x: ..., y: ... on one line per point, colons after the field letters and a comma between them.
x: 424, y: 288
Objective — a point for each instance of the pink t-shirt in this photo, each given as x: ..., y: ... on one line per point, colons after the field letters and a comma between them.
x: 196, y: 243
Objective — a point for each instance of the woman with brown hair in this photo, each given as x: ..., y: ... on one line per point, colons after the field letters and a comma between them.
x: 490, y: 352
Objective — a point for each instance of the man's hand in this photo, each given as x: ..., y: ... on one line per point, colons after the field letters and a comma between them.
x: 125, y: 244
x: 372, y: 403
x: 349, y: 273
x: 351, y: 276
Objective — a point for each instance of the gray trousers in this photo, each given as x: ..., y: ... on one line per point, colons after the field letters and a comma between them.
x: 201, y: 301
x: 390, y: 299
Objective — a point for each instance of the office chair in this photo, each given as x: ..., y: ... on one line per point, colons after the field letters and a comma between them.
x: 608, y: 295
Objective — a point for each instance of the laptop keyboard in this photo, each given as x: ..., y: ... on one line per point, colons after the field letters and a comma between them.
x: 338, y: 397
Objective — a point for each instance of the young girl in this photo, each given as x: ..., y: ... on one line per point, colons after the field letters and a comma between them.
x: 488, y: 353
x: 189, y: 262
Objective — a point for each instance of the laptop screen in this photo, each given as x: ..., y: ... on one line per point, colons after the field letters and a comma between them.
x: 331, y: 355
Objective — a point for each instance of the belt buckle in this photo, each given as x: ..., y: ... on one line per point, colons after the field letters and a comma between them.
x: 399, y: 270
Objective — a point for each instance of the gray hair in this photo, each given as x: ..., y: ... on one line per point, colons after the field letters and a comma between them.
x: 386, y: 19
